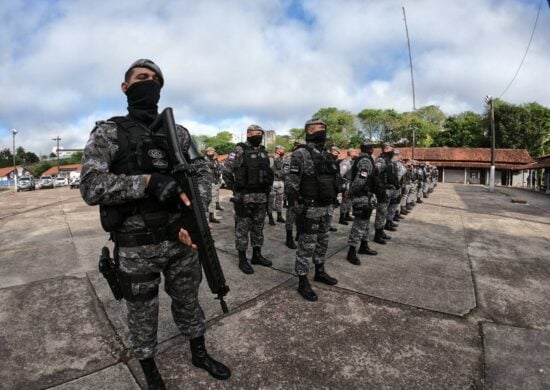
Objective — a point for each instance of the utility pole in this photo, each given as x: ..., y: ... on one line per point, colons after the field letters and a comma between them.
x: 490, y: 105
x: 13, y: 132
x: 57, y: 152
x: 412, y: 77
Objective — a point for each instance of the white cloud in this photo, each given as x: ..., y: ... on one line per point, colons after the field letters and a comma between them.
x: 229, y: 64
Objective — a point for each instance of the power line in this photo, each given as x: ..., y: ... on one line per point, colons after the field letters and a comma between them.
x: 526, y: 50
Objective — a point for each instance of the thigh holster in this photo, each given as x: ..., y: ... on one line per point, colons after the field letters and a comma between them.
x: 140, y: 292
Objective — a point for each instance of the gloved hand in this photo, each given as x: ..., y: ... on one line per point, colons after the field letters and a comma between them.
x: 163, y: 187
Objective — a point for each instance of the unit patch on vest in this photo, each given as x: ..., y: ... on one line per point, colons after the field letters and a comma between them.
x: 294, y: 169
x: 231, y: 156
x: 161, y: 164
x: 364, y: 174
x: 156, y: 153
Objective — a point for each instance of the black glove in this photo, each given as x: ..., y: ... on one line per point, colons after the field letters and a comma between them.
x: 163, y: 187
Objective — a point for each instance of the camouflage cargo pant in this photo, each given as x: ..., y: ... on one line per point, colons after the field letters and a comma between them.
x: 291, y: 213
x: 182, y: 277
x: 393, y: 196
x: 276, y: 196
x: 345, y: 205
x: 360, y: 228
x: 251, y: 222
x: 405, y: 194
x: 382, y: 211
x: 412, y: 194
x: 420, y: 190
x: 215, y: 198
x: 313, y: 242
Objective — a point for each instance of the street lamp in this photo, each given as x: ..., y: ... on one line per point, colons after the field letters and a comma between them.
x: 489, y: 101
x: 13, y: 132
x: 57, y: 152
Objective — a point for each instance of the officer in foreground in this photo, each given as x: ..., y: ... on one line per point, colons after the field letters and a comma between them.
x: 363, y: 185
x: 312, y: 184
x: 139, y: 206
x: 248, y: 174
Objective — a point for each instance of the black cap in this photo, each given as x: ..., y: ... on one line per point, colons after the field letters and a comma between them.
x: 145, y: 63
x: 314, y: 121
x: 367, y: 142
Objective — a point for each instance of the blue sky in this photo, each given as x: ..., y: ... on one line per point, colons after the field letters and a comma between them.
x: 274, y: 62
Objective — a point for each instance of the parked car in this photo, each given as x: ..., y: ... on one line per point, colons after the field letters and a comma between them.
x: 60, y: 182
x: 45, y: 182
x: 75, y: 183
x: 26, y: 183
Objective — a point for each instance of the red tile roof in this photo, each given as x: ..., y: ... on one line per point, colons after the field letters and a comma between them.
x: 68, y: 167
x: 7, y: 170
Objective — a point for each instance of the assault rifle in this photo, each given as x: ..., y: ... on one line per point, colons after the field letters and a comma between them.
x: 194, y: 216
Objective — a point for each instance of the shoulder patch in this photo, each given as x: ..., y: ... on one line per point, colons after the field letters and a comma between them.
x: 294, y: 168
x: 231, y: 156
x: 363, y: 174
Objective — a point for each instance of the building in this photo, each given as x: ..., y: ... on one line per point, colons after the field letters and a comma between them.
x: 64, y: 170
x: 7, y: 177
x: 538, y: 174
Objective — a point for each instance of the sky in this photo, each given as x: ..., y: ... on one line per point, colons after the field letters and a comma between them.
x: 228, y: 64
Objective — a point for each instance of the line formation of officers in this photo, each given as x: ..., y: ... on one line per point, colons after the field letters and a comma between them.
x: 308, y: 184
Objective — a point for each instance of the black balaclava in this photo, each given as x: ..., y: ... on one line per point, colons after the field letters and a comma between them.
x: 389, y: 154
x: 143, y: 97
x: 318, y: 138
x: 255, y: 140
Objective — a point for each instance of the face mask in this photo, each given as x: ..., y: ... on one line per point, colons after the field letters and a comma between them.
x: 210, y: 156
x: 255, y: 140
x: 319, y: 138
x: 143, y: 98
x: 390, y: 154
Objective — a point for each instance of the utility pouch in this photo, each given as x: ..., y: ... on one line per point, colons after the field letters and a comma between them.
x: 111, y: 217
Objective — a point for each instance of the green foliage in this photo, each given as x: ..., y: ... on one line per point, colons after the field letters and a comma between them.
x: 340, y: 125
x: 286, y: 141
x: 221, y: 142
x: 22, y: 157
x: 464, y: 130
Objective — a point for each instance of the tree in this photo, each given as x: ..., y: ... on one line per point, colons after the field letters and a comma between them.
x: 221, y: 142
x: 463, y: 130
x: 341, y: 126
x: 6, y: 158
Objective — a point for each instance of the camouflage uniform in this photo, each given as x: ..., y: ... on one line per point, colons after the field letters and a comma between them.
x: 177, y: 262
x: 362, y: 200
x: 345, y: 174
x: 250, y: 208
x: 278, y: 188
x: 395, y: 199
x: 215, y: 169
x: 313, y: 242
x: 381, y: 167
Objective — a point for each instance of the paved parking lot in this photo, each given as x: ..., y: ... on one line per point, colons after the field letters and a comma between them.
x: 457, y: 300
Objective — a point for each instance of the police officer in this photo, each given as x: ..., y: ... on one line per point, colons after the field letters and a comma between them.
x: 139, y: 206
x: 248, y: 174
x: 277, y: 191
x: 383, y: 169
x: 405, y: 187
x: 334, y: 152
x: 345, y: 174
x: 394, y: 210
x: 312, y: 183
x: 362, y: 194
x: 215, y: 170
x: 293, y: 209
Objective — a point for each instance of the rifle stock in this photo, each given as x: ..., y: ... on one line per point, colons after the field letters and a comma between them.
x: 195, y: 217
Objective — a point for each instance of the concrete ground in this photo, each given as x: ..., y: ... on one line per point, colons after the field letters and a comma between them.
x: 458, y: 299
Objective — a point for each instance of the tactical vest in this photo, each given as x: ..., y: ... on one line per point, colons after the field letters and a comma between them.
x: 214, y: 168
x: 370, y: 187
x: 322, y: 186
x: 255, y: 175
x: 139, y: 152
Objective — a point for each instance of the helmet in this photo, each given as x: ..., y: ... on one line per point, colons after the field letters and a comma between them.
x: 210, y: 149
x: 145, y: 63
x: 314, y: 121
x: 255, y: 128
x: 367, y: 142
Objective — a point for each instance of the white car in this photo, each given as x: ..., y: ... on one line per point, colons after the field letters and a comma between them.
x: 45, y: 182
x: 60, y: 182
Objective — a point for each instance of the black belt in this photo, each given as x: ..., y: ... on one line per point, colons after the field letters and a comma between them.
x: 316, y: 203
x: 148, y: 237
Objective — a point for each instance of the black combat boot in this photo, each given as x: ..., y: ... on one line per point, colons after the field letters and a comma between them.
x: 388, y: 226
x: 332, y: 229
x: 297, y: 235
x: 305, y: 290
x: 280, y: 217
x: 271, y: 220
x: 378, y: 237
x: 152, y: 374
x: 385, y: 236
x: 365, y: 250
x: 243, y: 263
x: 212, y: 219
x: 397, y: 218
x: 342, y: 220
x: 410, y: 206
x: 349, y: 218
x: 418, y: 200
x: 201, y: 359
x: 404, y: 210
x: 219, y: 207
x: 289, y: 241
x: 322, y: 276
x: 352, y: 256
x: 257, y: 257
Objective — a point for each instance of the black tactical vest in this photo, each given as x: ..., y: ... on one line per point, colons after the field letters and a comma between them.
x: 139, y: 152
x: 322, y: 186
x: 278, y: 168
x: 255, y: 175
